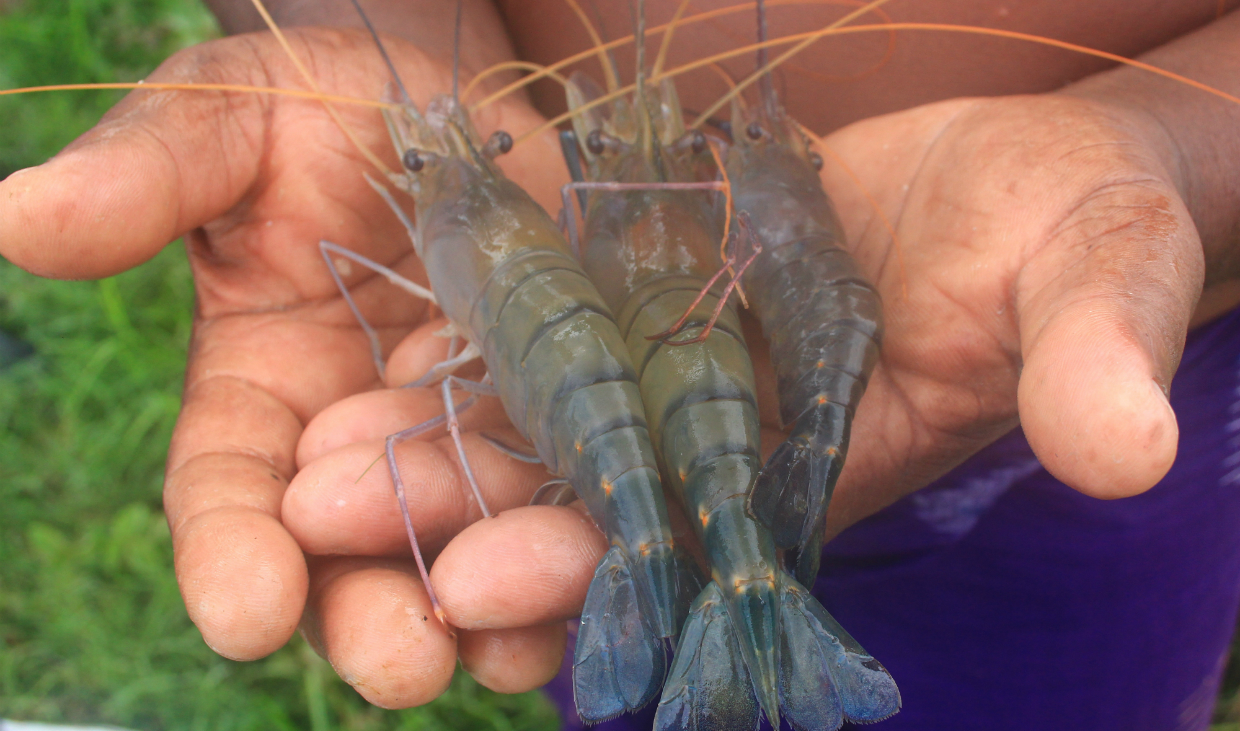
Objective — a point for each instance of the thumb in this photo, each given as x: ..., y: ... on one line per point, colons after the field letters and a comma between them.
x: 162, y: 163
x: 159, y: 164
x: 1103, y: 312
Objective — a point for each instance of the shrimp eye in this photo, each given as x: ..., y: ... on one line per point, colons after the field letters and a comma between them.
x: 500, y: 143
x: 594, y: 142
x: 816, y: 160
x: 754, y: 130
x: 412, y: 161
x: 699, y: 142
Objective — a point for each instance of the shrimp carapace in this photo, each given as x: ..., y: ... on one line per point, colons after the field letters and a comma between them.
x: 756, y: 642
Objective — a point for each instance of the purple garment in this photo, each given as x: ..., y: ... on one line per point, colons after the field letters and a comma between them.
x: 999, y: 598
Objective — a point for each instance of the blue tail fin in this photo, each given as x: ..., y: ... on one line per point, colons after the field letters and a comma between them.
x: 791, y: 495
x: 825, y: 677
x: 709, y: 687
x: 803, y: 560
x: 794, y: 489
x: 619, y: 664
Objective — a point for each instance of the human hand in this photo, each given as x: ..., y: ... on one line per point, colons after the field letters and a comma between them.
x: 1046, y: 274
x: 255, y: 181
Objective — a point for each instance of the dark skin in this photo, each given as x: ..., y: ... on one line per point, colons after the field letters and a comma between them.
x: 1056, y: 249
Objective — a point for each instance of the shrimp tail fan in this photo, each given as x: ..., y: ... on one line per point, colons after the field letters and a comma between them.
x: 803, y: 559
x: 709, y: 688
x: 619, y: 663
x: 793, y: 491
x: 825, y: 677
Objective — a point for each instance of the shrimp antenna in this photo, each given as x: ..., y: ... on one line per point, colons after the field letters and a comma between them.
x: 602, y: 37
x: 456, y: 55
x: 764, y: 84
x: 646, y: 126
x: 667, y: 38
x: 404, y: 94
x: 610, y: 73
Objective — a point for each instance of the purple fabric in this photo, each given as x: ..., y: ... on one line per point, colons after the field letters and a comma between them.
x: 999, y: 598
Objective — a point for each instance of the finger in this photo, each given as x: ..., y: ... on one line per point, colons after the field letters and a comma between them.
x: 376, y: 414
x: 417, y: 353
x: 513, y: 660
x: 424, y: 348
x: 373, y: 622
x: 526, y: 566
x: 164, y: 162
x: 344, y: 503
x: 241, y: 574
x: 150, y: 171
x: 1103, y: 316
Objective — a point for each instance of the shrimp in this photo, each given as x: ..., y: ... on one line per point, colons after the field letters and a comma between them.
x: 504, y: 276
x: 755, y: 641
x: 821, y: 316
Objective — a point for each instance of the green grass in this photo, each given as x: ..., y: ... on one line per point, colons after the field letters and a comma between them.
x: 92, y: 628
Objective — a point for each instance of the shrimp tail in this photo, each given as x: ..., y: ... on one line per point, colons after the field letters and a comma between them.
x: 803, y: 559
x: 709, y: 687
x: 825, y: 677
x: 820, y: 676
x: 619, y: 663
x: 793, y: 491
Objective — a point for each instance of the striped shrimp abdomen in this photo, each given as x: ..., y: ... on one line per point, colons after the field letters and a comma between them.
x: 824, y: 324
x: 505, y: 274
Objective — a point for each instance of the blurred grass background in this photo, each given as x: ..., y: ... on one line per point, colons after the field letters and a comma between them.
x: 92, y: 628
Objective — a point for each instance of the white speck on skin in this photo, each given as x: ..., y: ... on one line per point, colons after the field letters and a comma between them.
x: 341, y: 502
x: 344, y: 266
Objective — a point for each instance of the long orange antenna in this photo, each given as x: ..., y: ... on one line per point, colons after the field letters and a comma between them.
x: 810, y: 37
x: 886, y: 27
x: 157, y: 86
x: 667, y: 37
x: 764, y: 70
x: 609, y: 73
x: 512, y: 65
x: 699, y: 18
x: 331, y: 110
x: 797, y: 68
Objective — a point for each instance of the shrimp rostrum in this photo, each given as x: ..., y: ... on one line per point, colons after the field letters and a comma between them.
x: 503, y: 274
x: 755, y: 642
